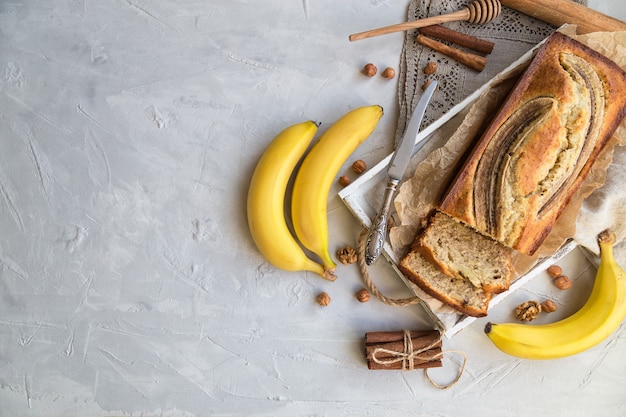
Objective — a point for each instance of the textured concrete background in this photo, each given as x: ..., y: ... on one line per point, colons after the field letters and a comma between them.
x: 129, y: 284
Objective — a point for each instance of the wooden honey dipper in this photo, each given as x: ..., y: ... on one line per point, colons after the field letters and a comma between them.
x: 477, y: 12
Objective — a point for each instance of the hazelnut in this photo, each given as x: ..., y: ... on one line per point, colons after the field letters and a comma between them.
x: 347, y: 255
x: 562, y: 282
x: 363, y: 295
x: 430, y: 68
x: 554, y: 271
x: 370, y: 70
x: 548, y: 306
x: 389, y: 73
x: 426, y: 84
x: 323, y: 299
x: 359, y: 166
x: 527, y: 311
x: 344, y: 180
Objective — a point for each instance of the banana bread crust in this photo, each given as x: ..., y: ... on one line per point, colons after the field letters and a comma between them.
x: 456, y: 293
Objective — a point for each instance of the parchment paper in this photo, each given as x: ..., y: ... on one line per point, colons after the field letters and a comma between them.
x: 599, y: 204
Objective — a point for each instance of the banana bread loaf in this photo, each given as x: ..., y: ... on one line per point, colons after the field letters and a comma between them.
x: 538, y: 149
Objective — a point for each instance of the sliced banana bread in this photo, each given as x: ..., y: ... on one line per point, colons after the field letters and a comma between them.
x: 459, y: 294
x: 460, y: 251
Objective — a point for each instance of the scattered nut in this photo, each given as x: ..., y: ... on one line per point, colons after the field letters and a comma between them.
x: 430, y: 68
x: 389, y: 73
x: 344, y: 180
x: 555, y: 271
x: 363, y: 295
x: 370, y: 70
x: 563, y: 282
x: 548, y: 306
x: 347, y: 255
x: 323, y: 299
x: 426, y: 84
x: 527, y: 311
x: 359, y: 166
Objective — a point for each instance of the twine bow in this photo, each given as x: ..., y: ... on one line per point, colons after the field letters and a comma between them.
x: 408, y: 356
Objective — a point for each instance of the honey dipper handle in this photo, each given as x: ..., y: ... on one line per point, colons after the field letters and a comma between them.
x: 559, y: 12
x: 463, y: 14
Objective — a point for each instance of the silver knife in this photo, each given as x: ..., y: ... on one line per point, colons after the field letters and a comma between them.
x: 397, y: 167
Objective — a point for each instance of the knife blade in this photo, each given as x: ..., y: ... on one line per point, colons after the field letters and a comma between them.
x: 398, y: 165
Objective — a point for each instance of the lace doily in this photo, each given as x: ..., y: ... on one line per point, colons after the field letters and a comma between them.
x: 513, y: 33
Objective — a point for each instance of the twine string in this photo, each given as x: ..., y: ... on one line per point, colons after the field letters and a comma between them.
x: 458, y: 375
x: 370, y: 284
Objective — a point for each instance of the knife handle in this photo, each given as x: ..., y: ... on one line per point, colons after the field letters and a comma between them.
x: 378, y: 232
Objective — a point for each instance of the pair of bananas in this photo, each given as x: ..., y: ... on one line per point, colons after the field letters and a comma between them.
x: 596, y: 320
x: 268, y: 190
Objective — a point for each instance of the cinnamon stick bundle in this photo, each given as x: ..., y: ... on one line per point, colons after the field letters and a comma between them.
x: 404, y: 350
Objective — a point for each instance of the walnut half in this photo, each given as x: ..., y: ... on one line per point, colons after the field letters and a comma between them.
x: 347, y: 255
x: 527, y: 311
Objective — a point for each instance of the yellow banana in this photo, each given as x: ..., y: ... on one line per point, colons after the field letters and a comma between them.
x: 600, y: 316
x: 317, y: 174
x: 266, y: 201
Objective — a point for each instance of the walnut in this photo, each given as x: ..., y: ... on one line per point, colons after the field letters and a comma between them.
x: 363, y: 295
x: 347, y: 255
x: 563, y: 282
x: 389, y: 73
x: 344, y: 180
x: 359, y: 166
x: 527, y: 311
x: 370, y: 70
x: 323, y: 299
x: 555, y: 271
x: 430, y: 68
x: 548, y: 306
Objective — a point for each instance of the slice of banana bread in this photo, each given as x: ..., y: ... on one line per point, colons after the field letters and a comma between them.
x: 460, y: 251
x: 459, y: 294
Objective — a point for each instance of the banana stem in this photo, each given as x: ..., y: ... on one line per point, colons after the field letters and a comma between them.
x: 329, y: 274
x: 606, y: 238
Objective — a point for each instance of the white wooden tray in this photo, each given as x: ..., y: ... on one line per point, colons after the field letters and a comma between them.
x: 363, y: 198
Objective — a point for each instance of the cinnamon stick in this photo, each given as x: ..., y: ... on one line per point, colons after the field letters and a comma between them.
x: 394, y: 336
x: 459, y: 38
x: 474, y: 61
